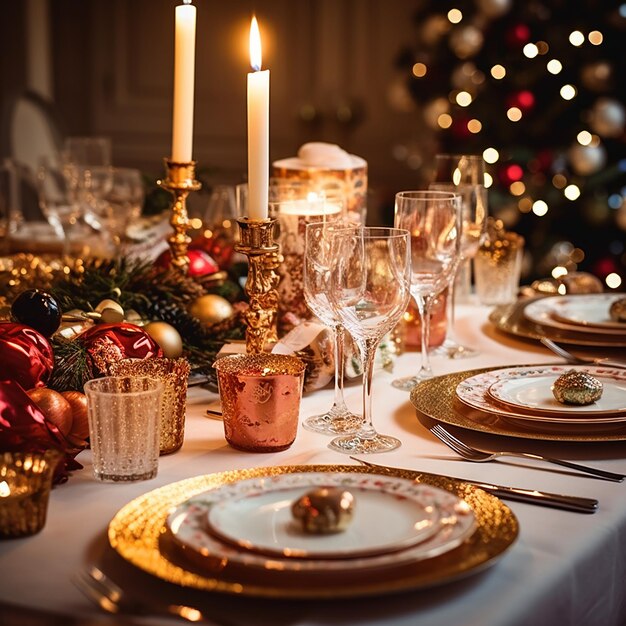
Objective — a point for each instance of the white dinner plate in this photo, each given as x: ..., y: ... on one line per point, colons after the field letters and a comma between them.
x: 579, y: 314
x: 188, y: 522
x: 263, y: 522
x: 474, y: 392
x: 534, y: 392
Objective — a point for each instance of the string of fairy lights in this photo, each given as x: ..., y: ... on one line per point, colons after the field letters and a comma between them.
x: 482, y: 68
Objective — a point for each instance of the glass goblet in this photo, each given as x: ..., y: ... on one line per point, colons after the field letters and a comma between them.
x: 87, y: 163
x: 369, y: 290
x: 316, y: 277
x: 465, y: 175
x: 433, y: 221
x: 58, y: 200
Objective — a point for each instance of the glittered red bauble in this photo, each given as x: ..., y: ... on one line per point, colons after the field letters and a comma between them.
x: 37, y: 309
x: 108, y: 343
x: 25, y: 355
x: 54, y: 406
x: 200, y: 263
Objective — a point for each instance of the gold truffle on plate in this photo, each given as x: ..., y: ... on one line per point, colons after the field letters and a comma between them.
x: 576, y: 387
x: 617, y: 310
x: 324, y: 510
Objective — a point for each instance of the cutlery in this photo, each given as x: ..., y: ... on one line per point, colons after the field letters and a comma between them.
x: 578, y: 360
x: 529, y: 496
x: 481, y: 456
x: 110, y: 597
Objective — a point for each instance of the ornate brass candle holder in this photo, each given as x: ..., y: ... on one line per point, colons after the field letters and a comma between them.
x: 257, y: 243
x: 180, y: 180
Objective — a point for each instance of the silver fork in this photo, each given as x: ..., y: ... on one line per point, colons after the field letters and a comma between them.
x: 572, y: 358
x: 110, y: 597
x: 481, y: 456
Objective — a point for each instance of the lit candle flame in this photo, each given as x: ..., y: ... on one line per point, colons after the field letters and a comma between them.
x: 255, y: 45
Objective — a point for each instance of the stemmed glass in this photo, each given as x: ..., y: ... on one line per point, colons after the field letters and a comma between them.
x: 369, y: 290
x: 87, y: 164
x: 316, y: 278
x: 123, y: 203
x: 58, y: 199
x: 465, y: 175
x: 433, y: 219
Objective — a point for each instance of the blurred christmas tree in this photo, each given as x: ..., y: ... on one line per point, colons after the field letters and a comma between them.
x: 536, y: 87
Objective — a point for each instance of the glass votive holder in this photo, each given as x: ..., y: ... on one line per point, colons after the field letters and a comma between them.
x: 124, y: 420
x: 260, y: 395
x: 25, y: 483
x: 497, y: 269
x: 174, y: 374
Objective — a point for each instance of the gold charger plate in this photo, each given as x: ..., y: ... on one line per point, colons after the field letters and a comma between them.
x: 511, y: 320
x: 436, y: 398
x: 137, y: 533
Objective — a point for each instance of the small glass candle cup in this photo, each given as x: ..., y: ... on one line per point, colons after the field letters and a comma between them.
x: 25, y: 482
x: 497, y: 269
x: 174, y: 374
x: 260, y: 396
x: 124, y: 422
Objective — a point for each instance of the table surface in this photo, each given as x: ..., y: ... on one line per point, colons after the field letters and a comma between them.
x: 564, y: 568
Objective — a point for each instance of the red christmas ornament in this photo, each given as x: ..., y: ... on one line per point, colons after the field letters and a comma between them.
x: 108, y: 343
x: 200, y: 263
x: 25, y: 355
x: 24, y: 427
x: 219, y: 246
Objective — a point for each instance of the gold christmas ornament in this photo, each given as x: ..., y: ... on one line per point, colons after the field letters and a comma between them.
x: 576, y: 387
x: 167, y: 337
x: 211, y: 309
x: 618, y: 310
x: 324, y: 510
x: 111, y: 312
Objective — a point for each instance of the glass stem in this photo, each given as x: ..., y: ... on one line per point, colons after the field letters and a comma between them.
x: 450, y: 334
x: 339, y: 333
x: 368, y: 353
x: 424, y: 304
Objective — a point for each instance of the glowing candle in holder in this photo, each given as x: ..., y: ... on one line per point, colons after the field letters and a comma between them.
x: 258, y: 129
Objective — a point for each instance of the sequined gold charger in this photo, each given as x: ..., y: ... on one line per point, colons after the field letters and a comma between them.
x: 138, y: 534
x: 436, y: 398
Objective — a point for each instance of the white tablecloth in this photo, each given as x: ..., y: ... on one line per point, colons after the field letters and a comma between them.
x: 565, y: 568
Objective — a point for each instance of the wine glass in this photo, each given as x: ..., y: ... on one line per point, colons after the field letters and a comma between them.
x: 58, y: 199
x: 87, y: 163
x: 369, y: 291
x: 433, y: 219
x: 465, y: 175
x: 316, y: 273
x: 123, y: 203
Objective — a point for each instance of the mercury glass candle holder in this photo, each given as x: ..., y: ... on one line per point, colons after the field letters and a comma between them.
x: 174, y: 374
x: 25, y: 482
x: 260, y: 396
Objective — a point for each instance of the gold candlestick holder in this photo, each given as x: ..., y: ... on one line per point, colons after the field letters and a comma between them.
x: 180, y: 179
x: 257, y: 243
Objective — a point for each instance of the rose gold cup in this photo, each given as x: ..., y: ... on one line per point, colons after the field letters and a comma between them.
x: 174, y: 374
x: 260, y: 396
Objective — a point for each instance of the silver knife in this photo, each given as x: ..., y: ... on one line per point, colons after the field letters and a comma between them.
x: 530, y: 496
